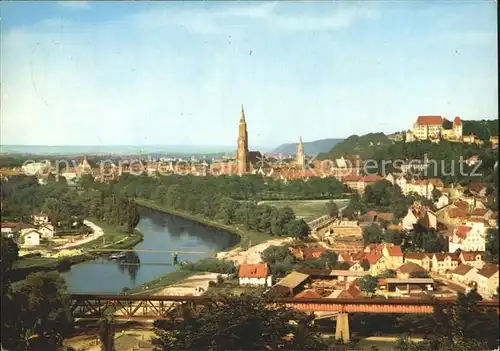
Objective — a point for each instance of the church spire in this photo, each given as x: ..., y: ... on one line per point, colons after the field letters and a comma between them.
x: 242, y: 114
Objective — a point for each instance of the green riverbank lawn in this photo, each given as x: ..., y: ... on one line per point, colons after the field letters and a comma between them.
x: 306, y: 209
x: 247, y: 237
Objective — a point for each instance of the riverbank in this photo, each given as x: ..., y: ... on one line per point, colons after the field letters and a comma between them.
x: 248, y: 238
x: 112, y: 234
x: 248, y: 250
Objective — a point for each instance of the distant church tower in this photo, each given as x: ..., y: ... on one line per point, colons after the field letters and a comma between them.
x: 300, y: 154
x: 242, y: 153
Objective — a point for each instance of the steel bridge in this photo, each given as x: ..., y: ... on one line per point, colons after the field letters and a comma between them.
x: 151, y: 307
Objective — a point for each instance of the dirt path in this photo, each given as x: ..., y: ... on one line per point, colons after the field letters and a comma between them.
x: 97, y: 233
x: 252, y: 254
x: 195, y: 285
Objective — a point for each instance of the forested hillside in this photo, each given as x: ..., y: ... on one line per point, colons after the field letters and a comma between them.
x: 364, y: 145
x: 483, y: 129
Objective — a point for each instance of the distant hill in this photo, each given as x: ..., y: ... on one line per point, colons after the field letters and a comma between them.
x: 364, y: 145
x: 311, y: 147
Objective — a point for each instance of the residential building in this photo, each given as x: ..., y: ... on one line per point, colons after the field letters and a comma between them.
x: 409, y: 270
x: 254, y: 274
x: 8, y: 228
x: 31, y: 237
x: 472, y: 258
x: 487, y: 280
x: 422, y: 187
x: 418, y: 214
x: 46, y: 230
x: 444, y: 262
x: 467, y: 238
x: 421, y: 258
x: 40, y: 218
x: 464, y: 274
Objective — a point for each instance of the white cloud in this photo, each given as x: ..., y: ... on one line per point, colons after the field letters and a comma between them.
x: 75, y: 5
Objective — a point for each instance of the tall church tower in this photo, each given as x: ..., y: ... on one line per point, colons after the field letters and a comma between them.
x: 242, y: 154
x: 300, y: 154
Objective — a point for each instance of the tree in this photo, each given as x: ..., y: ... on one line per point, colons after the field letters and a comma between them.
x: 107, y: 333
x: 373, y: 234
x: 40, y: 306
x: 238, y: 323
x: 492, y: 245
x: 332, y: 209
x: 9, y: 254
x: 298, y: 228
x: 368, y: 284
x: 390, y: 273
x: 436, y: 194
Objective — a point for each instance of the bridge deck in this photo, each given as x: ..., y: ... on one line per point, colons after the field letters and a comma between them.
x: 156, y: 307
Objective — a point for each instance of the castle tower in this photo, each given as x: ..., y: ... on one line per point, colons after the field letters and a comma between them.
x: 242, y: 153
x: 300, y: 154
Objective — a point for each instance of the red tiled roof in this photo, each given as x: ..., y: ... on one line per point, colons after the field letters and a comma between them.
x: 344, y: 257
x: 308, y: 294
x: 370, y: 179
x: 457, y: 213
x: 471, y: 255
x: 442, y: 256
x: 351, y: 178
x: 253, y: 270
x: 429, y: 120
x: 463, y: 231
x: 457, y: 120
x: 373, y: 257
x: 479, y: 212
x: 415, y: 255
x: 350, y: 293
x: 488, y: 270
x: 9, y: 224
x: 462, y: 269
x: 394, y: 250
x: 410, y: 267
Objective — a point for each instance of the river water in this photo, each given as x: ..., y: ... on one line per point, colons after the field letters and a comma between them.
x: 161, y: 232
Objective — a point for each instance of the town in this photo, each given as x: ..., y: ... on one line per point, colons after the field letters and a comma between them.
x: 249, y: 176
x: 430, y: 240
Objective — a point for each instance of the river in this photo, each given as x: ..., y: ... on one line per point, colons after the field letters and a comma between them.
x: 161, y: 232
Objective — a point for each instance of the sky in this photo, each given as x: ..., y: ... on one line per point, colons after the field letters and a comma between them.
x: 157, y: 73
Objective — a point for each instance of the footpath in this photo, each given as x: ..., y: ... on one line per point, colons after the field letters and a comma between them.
x: 97, y: 232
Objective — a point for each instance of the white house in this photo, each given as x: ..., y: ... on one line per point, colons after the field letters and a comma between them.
x: 31, y: 237
x: 47, y: 230
x: 255, y: 274
x: 8, y: 228
x: 40, y: 218
x: 464, y: 274
x: 487, y: 280
x: 467, y: 238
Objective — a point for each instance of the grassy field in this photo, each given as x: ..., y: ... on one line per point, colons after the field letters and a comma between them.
x: 306, y: 209
x: 248, y: 237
